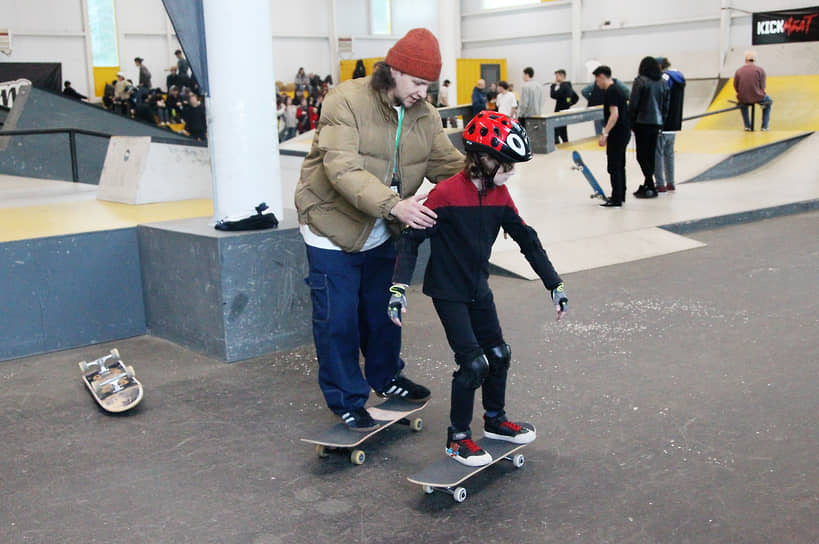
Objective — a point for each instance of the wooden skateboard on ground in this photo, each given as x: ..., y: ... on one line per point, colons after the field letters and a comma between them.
x: 447, y: 475
x: 341, y: 438
x: 580, y: 165
x: 112, y: 383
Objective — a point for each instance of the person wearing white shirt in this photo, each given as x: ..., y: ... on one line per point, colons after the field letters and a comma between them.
x: 506, y: 101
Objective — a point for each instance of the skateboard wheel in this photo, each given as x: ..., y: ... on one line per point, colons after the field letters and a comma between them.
x: 358, y: 457
x: 428, y: 489
x: 84, y: 366
x: 129, y: 371
x: 115, y: 353
x: 417, y: 424
x: 97, y: 388
x: 321, y: 451
x: 518, y: 460
x: 459, y: 494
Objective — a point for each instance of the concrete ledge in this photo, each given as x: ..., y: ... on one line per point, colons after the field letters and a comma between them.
x: 67, y: 291
x: 707, y: 223
x: 232, y: 296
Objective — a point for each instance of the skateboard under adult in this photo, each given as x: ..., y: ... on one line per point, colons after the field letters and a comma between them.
x: 580, y: 165
x: 112, y: 383
x: 446, y: 475
x: 340, y: 438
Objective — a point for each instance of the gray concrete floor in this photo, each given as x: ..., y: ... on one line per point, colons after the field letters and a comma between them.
x: 677, y: 403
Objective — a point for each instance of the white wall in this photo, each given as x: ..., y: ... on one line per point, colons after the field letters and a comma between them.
x: 538, y: 35
x: 621, y: 33
x: 48, y: 31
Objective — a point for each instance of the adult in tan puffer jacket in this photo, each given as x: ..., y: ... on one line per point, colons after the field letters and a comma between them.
x: 376, y: 141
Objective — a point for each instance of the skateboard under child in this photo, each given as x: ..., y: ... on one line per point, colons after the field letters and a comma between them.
x: 340, y: 438
x: 112, y: 383
x: 580, y: 165
x: 446, y: 475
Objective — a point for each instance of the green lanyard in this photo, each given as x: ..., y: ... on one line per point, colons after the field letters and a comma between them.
x: 397, y: 136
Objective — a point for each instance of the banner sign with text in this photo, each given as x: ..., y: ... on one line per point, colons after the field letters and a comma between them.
x: 792, y: 25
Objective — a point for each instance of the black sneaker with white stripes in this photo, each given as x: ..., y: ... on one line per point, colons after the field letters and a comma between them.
x: 359, y: 419
x: 403, y: 388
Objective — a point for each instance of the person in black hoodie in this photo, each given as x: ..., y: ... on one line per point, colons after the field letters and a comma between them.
x: 648, y: 107
x: 564, y: 97
x: 664, y: 162
x: 472, y: 207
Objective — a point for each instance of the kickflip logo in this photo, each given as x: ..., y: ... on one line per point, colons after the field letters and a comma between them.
x: 786, y: 26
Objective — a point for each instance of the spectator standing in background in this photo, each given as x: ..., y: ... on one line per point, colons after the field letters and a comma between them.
x: 506, y: 101
x: 182, y: 65
x: 750, y: 84
x: 443, y: 102
x: 564, y: 97
x: 531, y: 96
x: 291, y: 121
x: 301, y: 80
x: 479, y: 97
x: 615, y: 133
x: 492, y: 97
x: 648, y: 107
x: 594, y: 97
x: 144, y: 74
x: 664, y: 161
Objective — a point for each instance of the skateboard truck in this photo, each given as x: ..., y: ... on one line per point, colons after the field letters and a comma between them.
x: 104, y: 369
x: 115, y: 381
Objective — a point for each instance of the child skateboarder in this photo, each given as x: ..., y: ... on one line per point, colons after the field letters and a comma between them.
x: 472, y: 207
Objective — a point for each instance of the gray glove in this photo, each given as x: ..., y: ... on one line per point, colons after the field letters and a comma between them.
x: 560, y: 299
x: 397, y: 304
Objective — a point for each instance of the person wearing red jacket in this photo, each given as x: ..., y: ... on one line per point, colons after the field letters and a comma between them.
x: 472, y: 207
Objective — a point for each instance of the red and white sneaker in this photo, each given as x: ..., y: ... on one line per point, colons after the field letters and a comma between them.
x: 460, y: 447
x: 499, y: 428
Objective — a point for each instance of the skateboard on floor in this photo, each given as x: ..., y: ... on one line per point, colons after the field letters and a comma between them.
x: 112, y: 383
x: 341, y: 438
x: 580, y: 165
x: 446, y: 475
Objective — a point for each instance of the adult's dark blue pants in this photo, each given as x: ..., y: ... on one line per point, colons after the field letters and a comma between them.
x: 350, y: 293
x: 472, y: 328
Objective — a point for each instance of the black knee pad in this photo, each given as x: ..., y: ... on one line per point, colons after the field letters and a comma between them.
x: 471, y: 374
x: 499, y: 358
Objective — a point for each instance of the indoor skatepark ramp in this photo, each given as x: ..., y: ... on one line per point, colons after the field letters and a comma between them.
x: 47, y: 156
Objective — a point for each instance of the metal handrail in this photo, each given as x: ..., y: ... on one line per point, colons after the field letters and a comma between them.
x: 72, y: 141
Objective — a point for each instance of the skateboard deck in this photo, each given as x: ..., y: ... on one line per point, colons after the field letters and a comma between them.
x: 580, y: 165
x: 447, y: 475
x: 112, y: 383
x: 340, y: 437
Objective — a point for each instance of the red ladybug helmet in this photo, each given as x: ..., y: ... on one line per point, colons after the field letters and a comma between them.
x: 499, y: 136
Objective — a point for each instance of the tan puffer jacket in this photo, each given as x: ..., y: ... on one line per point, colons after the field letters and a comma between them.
x: 344, y: 183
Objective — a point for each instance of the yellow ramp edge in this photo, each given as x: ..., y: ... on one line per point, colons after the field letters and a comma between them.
x: 91, y: 216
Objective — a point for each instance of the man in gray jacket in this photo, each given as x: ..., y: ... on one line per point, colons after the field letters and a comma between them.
x: 531, y: 96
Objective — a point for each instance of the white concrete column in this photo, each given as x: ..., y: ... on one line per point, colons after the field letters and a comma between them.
x: 724, y: 34
x: 241, y: 110
x: 332, y: 36
x: 576, y: 69
x: 449, y: 40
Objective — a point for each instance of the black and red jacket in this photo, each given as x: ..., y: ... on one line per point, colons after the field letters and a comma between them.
x: 461, y: 241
